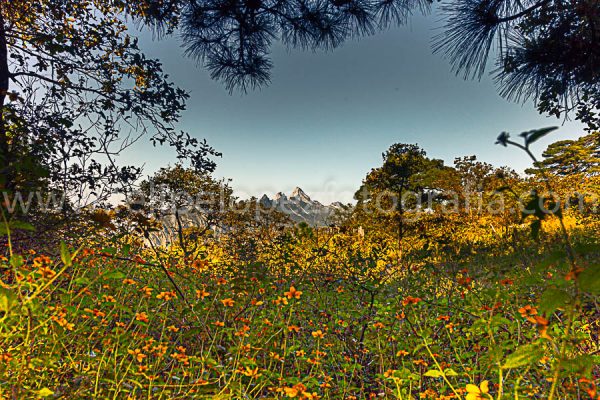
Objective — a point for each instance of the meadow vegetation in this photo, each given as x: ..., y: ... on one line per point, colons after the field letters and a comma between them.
x: 469, y: 304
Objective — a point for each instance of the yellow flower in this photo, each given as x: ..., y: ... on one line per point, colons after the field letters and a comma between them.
x: 476, y: 393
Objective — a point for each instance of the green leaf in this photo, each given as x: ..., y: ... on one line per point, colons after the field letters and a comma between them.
x: 581, y: 365
x: 114, y: 275
x: 82, y: 280
x: 553, y: 299
x: 65, y: 255
x: 450, y: 372
x: 16, y: 261
x: 589, y: 279
x: 7, y: 299
x: 109, y: 250
x: 524, y: 355
x: 434, y: 373
x: 21, y: 225
x: 14, y: 225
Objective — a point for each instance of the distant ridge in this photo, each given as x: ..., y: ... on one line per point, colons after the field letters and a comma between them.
x: 301, y: 208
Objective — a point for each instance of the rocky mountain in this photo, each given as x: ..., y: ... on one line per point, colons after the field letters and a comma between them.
x: 301, y: 208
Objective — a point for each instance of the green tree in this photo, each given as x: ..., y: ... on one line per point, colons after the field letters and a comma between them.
x: 75, y: 91
x: 195, y: 202
x: 404, y: 180
x: 567, y: 157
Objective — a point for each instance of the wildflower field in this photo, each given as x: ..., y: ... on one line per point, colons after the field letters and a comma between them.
x: 319, y: 314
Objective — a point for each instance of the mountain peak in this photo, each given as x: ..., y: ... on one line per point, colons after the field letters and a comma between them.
x: 300, y: 194
x: 300, y: 208
x: 280, y: 195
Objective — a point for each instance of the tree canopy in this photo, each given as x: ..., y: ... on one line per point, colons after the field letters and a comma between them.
x: 546, y: 50
x: 75, y: 91
x: 568, y: 157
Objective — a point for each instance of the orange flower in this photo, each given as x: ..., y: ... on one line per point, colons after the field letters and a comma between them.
x: 47, y: 272
x: 199, y: 264
x: 128, y: 281
x: 281, y: 300
x: 401, y: 353
x: 137, y: 354
x: 528, y: 312
x: 166, y: 296
x: 251, y: 372
x: 228, y: 302
x: 141, y: 317
x: 443, y: 318
x: 293, y: 293
x: 147, y: 291
x: 220, y: 323
x: 108, y: 299
x: 96, y: 312
x: 318, y: 334
x: 173, y: 329
x: 378, y: 325
x: 294, y: 328
x: 290, y: 391
x: 243, y: 332
x: 410, y: 300
x: 201, y: 294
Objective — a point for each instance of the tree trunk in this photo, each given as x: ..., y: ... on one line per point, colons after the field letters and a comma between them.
x: 5, y: 156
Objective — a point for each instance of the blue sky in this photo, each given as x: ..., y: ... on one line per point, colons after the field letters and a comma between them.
x: 325, y: 119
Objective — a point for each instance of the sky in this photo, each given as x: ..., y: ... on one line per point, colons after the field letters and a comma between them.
x: 327, y: 117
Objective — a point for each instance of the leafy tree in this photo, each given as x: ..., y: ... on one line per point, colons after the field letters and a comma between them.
x: 403, y: 179
x: 546, y: 50
x: 75, y: 91
x: 478, y: 182
x: 567, y: 157
x: 187, y: 202
x: 250, y: 225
